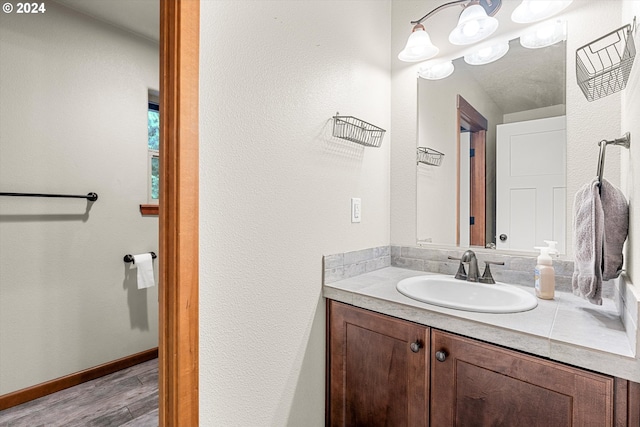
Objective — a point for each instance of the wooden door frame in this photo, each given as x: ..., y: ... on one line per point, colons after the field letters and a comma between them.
x: 470, y: 119
x: 178, y: 213
x: 478, y: 188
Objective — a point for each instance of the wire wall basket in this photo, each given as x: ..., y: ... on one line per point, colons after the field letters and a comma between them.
x: 603, y: 66
x: 358, y: 131
x: 429, y: 156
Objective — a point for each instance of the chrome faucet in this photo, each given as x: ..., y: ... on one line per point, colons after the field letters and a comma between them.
x: 469, y: 257
x: 487, y: 277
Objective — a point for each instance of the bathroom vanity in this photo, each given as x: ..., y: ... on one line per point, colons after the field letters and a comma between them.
x: 395, y: 361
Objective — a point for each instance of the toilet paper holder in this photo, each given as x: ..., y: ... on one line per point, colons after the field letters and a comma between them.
x: 129, y: 257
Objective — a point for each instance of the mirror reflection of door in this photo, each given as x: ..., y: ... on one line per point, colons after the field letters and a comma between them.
x: 531, y: 183
x: 471, y: 204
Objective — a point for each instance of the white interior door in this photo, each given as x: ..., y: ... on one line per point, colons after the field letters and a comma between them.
x: 531, y: 183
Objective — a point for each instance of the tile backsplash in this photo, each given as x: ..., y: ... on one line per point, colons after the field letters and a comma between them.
x: 349, y: 264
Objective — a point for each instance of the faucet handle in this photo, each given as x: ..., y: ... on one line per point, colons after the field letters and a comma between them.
x: 461, y: 274
x: 486, y: 276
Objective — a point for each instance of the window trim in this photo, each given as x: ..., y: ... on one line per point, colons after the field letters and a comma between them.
x: 149, y: 209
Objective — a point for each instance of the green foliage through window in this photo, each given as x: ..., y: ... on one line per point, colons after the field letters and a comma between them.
x: 153, y: 123
x: 155, y: 178
x: 153, y: 126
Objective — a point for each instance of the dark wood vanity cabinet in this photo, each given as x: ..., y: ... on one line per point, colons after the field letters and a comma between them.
x: 478, y: 384
x: 377, y: 369
x: 383, y: 371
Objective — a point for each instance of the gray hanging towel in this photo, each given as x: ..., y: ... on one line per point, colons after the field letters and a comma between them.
x: 588, y: 228
x: 616, y: 228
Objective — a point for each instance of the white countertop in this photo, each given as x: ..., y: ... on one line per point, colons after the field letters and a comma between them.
x: 567, y: 329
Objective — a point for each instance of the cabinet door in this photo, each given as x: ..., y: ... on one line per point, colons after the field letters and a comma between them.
x: 377, y: 377
x: 479, y: 384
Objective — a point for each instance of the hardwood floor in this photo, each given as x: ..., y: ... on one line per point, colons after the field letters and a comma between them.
x: 125, y: 398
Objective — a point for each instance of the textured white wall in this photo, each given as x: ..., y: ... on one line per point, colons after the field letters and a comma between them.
x: 631, y: 158
x: 73, y: 95
x: 587, y: 123
x: 275, y: 191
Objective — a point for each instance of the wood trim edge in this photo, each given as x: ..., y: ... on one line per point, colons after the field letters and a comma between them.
x: 149, y: 209
x: 327, y: 361
x: 458, y: 167
x: 620, y: 414
x: 39, y: 390
x: 178, y: 213
x: 470, y: 116
x: 633, y: 404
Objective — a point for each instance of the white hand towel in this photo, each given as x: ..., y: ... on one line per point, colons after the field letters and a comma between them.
x: 588, y: 228
x: 144, y: 264
x: 616, y: 228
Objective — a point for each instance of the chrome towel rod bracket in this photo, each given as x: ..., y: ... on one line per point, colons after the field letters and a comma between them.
x: 624, y: 141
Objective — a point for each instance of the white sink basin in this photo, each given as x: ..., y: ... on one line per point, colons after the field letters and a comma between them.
x: 446, y: 291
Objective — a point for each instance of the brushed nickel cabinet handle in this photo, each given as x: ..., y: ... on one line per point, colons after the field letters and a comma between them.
x: 415, y: 346
x: 441, y: 356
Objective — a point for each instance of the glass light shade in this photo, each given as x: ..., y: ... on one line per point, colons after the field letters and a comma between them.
x: 418, y: 47
x: 536, y: 10
x: 487, y: 53
x: 544, y: 35
x: 436, y: 71
x: 474, y: 25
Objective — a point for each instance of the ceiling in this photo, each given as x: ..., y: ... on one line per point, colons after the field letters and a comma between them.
x: 141, y: 17
x: 524, y: 79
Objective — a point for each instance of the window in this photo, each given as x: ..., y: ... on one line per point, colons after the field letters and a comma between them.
x: 153, y: 145
x: 153, y: 148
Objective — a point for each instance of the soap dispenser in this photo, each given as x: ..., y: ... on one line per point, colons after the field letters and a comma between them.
x: 545, y: 279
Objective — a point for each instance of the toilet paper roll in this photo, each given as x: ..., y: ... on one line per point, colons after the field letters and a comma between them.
x: 144, y: 264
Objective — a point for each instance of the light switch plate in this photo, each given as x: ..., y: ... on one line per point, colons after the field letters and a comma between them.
x: 356, y: 209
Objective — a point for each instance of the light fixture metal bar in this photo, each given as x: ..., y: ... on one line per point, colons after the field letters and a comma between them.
x: 490, y: 6
x: 438, y: 9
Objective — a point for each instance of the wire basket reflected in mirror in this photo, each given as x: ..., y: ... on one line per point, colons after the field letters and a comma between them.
x: 429, y: 156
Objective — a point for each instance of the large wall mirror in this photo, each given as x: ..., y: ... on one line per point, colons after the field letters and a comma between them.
x: 501, y: 128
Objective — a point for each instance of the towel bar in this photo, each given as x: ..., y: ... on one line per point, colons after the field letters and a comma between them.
x: 92, y: 197
x: 624, y: 141
x: 129, y: 257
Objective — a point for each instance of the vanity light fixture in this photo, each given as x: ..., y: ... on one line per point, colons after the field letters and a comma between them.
x: 473, y: 25
x: 544, y: 35
x: 436, y: 70
x: 476, y: 23
x: 537, y: 10
x: 418, y: 47
x: 487, y: 53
